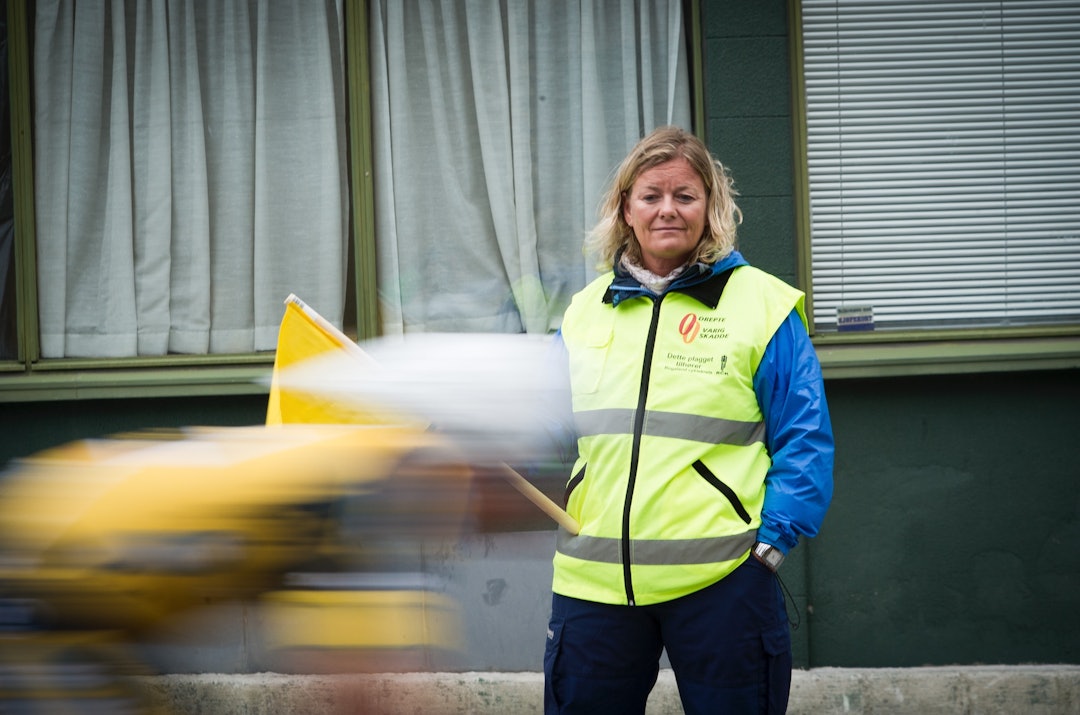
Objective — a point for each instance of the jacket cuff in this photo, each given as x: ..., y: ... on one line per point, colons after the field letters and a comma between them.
x: 769, y: 535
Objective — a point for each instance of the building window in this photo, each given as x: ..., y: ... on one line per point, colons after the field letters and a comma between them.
x: 191, y: 162
x: 495, y: 128
x: 190, y: 172
x: 944, y: 163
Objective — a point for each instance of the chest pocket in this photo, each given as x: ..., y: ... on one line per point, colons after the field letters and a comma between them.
x: 589, y: 355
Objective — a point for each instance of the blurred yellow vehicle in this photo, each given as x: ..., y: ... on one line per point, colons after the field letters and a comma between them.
x: 103, y: 540
x: 318, y: 517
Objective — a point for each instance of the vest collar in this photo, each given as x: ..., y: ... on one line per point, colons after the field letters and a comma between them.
x: 704, y: 282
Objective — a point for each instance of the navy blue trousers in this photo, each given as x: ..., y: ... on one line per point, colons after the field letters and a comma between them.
x: 729, y: 646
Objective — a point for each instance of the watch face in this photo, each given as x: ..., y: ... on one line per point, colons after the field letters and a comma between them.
x: 771, y: 555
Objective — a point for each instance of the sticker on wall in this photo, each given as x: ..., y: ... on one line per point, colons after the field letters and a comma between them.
x: 850, y: 318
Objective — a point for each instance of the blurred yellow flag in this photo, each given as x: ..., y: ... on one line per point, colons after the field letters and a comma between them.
x: 305, y: 334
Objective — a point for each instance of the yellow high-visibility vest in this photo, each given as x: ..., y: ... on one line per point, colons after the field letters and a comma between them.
x: 670, y: 479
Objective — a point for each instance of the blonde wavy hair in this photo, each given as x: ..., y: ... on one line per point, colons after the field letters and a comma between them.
x: 612, y: 234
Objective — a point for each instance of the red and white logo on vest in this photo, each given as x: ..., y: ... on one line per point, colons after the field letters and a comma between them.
x: 705, y: 327
x: 689, y: 327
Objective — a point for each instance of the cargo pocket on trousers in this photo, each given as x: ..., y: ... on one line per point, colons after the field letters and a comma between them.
x: 777, y: 646
x: 551, y: 663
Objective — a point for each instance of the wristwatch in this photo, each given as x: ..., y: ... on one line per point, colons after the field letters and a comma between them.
x: 769, y: 555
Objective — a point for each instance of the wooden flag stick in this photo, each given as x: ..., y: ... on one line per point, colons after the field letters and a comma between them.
x: 540, y: 499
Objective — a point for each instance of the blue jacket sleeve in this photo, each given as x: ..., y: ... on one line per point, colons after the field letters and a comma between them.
x: 798, y: 435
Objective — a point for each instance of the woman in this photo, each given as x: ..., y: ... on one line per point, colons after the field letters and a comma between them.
x: 704, y: 451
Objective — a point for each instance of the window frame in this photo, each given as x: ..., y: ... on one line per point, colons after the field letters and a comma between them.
x: 906, y: 352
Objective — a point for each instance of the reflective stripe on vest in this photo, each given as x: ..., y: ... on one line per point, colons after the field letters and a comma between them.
x: 669, y: 552
x: 711, y: 430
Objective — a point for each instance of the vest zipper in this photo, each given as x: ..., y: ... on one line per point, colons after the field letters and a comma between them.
x: 635, y: 450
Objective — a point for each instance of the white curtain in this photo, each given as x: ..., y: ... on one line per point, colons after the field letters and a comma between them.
x: 189, y: 172
x: 496, y: 126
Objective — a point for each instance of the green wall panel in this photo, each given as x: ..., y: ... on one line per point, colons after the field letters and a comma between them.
x: 27, y: 427
x: 755, y: 77
x: 954, y: 535
x: 765, y: 236
x: 748, y: 122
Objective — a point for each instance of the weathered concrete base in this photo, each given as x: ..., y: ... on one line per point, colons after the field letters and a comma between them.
x: 975, y: 690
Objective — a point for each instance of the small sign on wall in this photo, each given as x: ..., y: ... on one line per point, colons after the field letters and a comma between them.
x: 851, y: 318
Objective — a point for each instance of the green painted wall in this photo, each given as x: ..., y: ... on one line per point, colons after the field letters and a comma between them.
x: 954, y: 535
x: 748, y: 122
x: 27, y: 427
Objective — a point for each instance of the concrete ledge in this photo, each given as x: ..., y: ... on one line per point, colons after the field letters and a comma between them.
x: 974, y: 690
